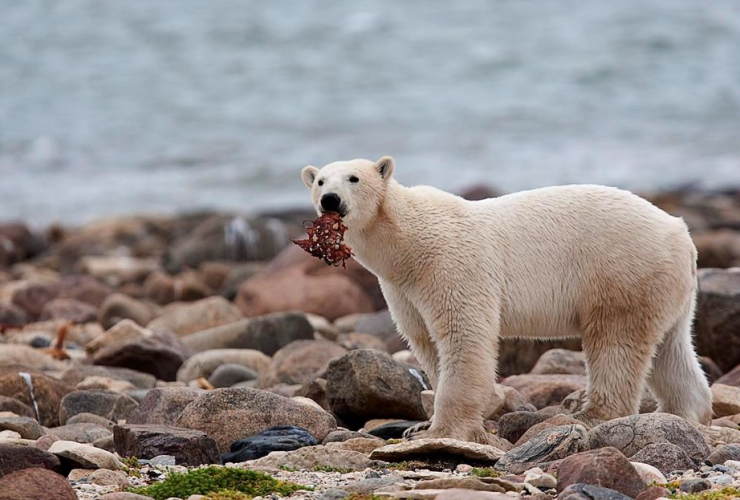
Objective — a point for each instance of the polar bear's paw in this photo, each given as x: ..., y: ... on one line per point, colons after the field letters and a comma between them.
x: 590, y: 418
x: 411, y: 432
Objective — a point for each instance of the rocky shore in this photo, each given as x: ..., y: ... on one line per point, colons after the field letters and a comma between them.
x: 204, y: 357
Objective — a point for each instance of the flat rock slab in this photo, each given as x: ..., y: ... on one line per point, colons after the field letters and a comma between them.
x: 452, y: 447
x: 85, y: 456
x: 310, y: 457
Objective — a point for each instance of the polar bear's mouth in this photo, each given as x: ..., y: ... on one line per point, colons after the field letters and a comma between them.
x: 342, y: 212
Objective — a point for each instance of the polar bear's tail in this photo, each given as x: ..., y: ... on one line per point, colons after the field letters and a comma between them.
x: 677, y: 379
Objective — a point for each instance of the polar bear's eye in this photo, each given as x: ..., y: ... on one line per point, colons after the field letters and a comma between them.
x: 321, y: 183
x: 354, y: 178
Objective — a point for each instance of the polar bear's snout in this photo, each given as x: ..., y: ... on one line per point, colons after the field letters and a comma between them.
x: 331, y: 202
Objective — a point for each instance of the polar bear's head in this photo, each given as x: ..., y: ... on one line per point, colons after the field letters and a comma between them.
x: 354, y: 188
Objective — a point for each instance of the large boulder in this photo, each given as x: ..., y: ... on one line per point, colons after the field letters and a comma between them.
x: 205, y: 363
x: 718, y: 316
x: 300, y: 362
x: 607, y: 467
x: 47, y: 392
x: 631, y: 434
x: 228, y: 415
x: 163, y: 405
x: 14, y: 457
x: 546, y: 390
x: 267, y: 333
x: 330, y: 295
x: 188, y: 446
x: 108, y: 404
x: 35, y: 484
x: 185, y: 318
x: 366, y: 384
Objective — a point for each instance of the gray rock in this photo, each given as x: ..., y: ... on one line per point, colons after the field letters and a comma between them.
x: 230, y: 374
x: 694, y: 485
x: 27, y: 427
x: 549, y: 445
x: 723, y: 453
x: 81, y: 432
x: 666, y: 457
x: 300, y: 362
x: 333, y: 494
x: 631, y: 434
x: 160, y: 355
x: 91, y: 418
x: 163, y: 460
x: 204, y: 363
x: 108, y: 404
x: 77, y: 374
x: 590, y: 492
x: 163, y: 405
x: 189, y: 447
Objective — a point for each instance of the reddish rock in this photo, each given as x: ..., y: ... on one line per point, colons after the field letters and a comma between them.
x: 730, y: 378
x: 33, y: 296
x: 546, y: 390
x: 606, y: 467
x: 300, y: 361
x: 48, y: 392
x: 69, y: 309
x: 35, y: 484
x: 15, y: 457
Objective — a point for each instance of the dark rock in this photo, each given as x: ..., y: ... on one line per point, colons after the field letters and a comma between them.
x: 718, y: 317
x: 546, y: 390
x: 40, y: 342
x: 163, y: 405
x: 72, y: 310
x: 366, y: 384
x: 108, y: 404
x: 14, y: 457
x: 607, y: 467
x: 631, y: 434
x: 723, y: 453
x: 15, y: 406
x: 189, y: 447
x: 300, y: 361
x: 118, y: 306
x: 281, y: 438
x: 35, y: 484
x: 77, y: 374
x: 229, y: 415
x: 12, y: 316
x: 590, y: 492
x: 694, y: 485
x: 27, y: 427
x: 267, y: 333
x: 512, y: 426
x: 160, y: 355
x: 229, y: 374
x: 80, y: 432
x: 48, y: 392
x: 18, y: 242
x: 549, y: 445
x: 392, y: 430
x: 666, y: 457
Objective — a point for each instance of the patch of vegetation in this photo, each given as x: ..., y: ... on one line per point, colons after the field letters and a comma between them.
x: 228, y: 495
x: 363, y: 496
x: 217, y: 480
x: 329, y: 468
x: 287, y: 468
x: 485, y: 472
x: 723, y: 494
x: 130, y: 461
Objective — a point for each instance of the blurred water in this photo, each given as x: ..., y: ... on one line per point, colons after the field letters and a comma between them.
x: 138, y: 106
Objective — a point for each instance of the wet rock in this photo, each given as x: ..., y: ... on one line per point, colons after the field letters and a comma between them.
x: 230, y: 374
x: 205, y: 363
x: 84, y: 456
x: 12, y: 316
x: 163, y: 405
x: 725, y: 400
x: 78, y: 374
x: 15, y: 457
x: 546, y: 390
x: 560, y: 362
x: 549, y: 445
x: 718, y: 316
x: 90, y: 418
x: 185, y: 318
x: 607, y: 467
x: 512, y: 426
x: 666, y: 457
x: 310, y: 457
x: 15, y: 406
x: 553, y: 421
x: 27, y: 427
x: 189, y: 447
x: 411, y: 450
x: 48, y: 392
x: 631, y: 434
x: 267, y: 333
x: 35, y: 484
x: 80, y: 432
x: 730, y: 378
x: 118, y: 307
x: 723, y: 453
x: 590, y: 492
x: 160, y: 355
x: 300, y: 361
x: 229, y: 415
x: 111, y: 405
x: 329, y: 295
x: 281, y: 438
x: 72, y: 310
x: 365, y: 384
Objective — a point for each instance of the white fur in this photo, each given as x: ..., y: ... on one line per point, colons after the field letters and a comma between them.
x: 589, y: 261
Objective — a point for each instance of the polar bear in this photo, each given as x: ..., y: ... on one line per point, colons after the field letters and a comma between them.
x: 580, y: 260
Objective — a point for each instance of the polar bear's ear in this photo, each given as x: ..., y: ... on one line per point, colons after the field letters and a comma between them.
x: 385, y: 167
x: 308, y: 174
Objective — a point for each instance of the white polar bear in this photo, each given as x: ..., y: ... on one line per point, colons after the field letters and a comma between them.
x: 588, y: 261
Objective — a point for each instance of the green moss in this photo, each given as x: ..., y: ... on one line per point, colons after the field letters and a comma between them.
x: 484, y: 472
x: 329, y: 468
x: 723, y: 494
x: 362, y: 496
x: 130, y: 461
x: 216, y: 480
x: 228, y: 495
x: 288, y: 469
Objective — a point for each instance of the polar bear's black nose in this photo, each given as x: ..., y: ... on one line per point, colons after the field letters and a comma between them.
x: 330, y: 202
